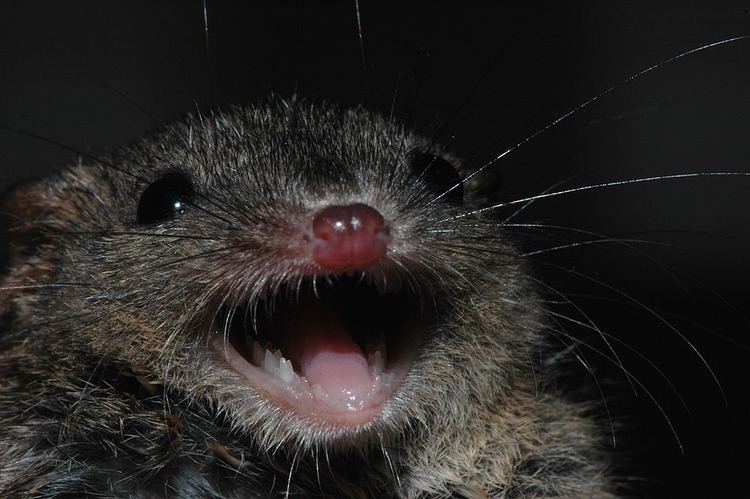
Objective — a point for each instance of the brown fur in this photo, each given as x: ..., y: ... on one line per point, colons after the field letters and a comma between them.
x: 110, y: 388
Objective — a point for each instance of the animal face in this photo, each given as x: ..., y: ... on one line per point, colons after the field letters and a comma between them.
x: 685, y: 117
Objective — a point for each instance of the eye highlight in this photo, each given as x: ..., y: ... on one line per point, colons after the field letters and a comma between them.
x: 165, y: 199
x: 439, y: 174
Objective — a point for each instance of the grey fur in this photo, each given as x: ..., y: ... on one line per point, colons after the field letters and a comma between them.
x: 109, y: 386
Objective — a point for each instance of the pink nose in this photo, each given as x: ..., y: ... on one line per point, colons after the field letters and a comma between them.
x: 348, y: 238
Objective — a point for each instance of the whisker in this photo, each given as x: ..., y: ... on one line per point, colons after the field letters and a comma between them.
x: 394, y: 97
x: 531, y: 201
x: 678, y: 317
x: 361, y: 37
x: 593, y: 99
x: 132, y: 102
x: 635, y: 351
x: 291, y: 471
x: 599, y: 237
x: 588, y: 319
x: 648, y: 393
x: 608, y: 240
x: 616, y: 238
x: 650, y: 311
x: 590, y: 187
x: 74, y: 150
x: 387, y: 456
x: 209, y: 70
x: 581, y: 358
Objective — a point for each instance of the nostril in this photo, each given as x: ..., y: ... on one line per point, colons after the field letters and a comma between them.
x: 349, y: 237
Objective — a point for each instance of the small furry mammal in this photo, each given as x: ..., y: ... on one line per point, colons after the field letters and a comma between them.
x: 280, y: 300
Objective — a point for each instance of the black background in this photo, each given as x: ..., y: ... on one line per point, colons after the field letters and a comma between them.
x: 93, y: 74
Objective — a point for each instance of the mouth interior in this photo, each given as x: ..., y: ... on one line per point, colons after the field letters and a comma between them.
x: 333, y: 345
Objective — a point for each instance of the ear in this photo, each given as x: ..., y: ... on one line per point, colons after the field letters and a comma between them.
x: 32, y: 216
x: 23, y: 209
x: 29, y: 213
x: 20, y: 213
x: 34, y: 212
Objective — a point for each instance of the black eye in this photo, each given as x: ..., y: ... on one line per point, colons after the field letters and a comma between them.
x: 440, y: 175
x: 165, y: 199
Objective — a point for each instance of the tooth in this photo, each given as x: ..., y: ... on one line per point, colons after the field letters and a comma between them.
x: 376, y: 363
x: 277, y: 357
x: 377, y: 345
x: 270, y: 363
x: 286, y: 371
x: 300, y: 388
x: 258, y: 355
x: 375, y: 342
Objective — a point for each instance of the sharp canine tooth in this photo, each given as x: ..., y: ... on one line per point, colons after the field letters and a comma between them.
x: 286, y: 371
x: 277, y: 357
x: 258, y: 355
x: 270, y: 363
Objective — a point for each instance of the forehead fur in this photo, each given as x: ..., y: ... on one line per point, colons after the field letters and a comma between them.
x: 291, y: 142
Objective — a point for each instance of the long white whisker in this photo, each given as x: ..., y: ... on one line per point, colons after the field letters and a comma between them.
x: 579, y: 355
x: 632, y: 349
x: 361, y: 37
x: 608, y: 240
x: 661, y: 319
x: 526, y: 205
x: 590, y: 187
x: 593, y: 324
x: 648, y: 393
x: 590, y: 101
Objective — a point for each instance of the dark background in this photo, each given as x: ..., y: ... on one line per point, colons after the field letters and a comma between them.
x: 93, y: 74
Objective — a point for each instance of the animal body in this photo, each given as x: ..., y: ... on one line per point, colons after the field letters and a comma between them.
x: 128, y: 369
x: 284, y: 299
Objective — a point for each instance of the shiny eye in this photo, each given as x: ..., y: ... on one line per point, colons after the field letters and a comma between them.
x: 439, y: 174
x: 165, y: 199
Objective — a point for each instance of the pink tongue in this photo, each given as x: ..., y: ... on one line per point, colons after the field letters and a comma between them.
x: 328, y: 356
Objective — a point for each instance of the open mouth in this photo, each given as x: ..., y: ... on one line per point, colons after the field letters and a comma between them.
x: 333, y: 349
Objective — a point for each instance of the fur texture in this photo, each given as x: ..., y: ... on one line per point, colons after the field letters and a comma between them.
x: 110, y: 385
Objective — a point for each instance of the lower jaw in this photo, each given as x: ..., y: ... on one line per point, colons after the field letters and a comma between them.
x: 337, y: 411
